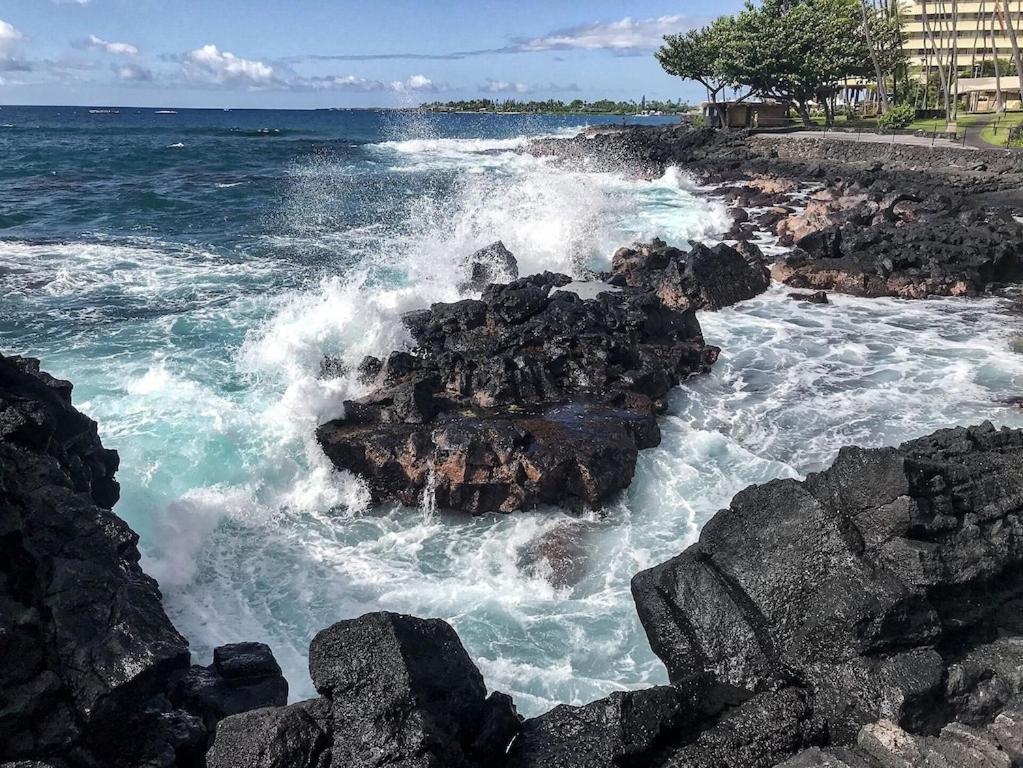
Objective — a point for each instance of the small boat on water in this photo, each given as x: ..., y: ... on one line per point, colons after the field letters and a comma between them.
x: 104, y: 111
x: 165, y: 112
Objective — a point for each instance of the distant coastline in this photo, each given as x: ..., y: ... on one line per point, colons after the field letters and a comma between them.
x: 642, y: 108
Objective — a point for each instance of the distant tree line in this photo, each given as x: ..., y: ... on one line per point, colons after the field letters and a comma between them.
x: 554, y: 106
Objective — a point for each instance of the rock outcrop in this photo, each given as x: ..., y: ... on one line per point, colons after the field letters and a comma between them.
x: 890, y: 221
x: 530, y: 395
x: 492, y: 264
x: 877, y: 241
x: 876, y: 585
x: 395, y: 690
x: 87, y: 654
x: 701, y: 278
x: 998, y: 744
x: 242, y: 677
x: 867, y: 617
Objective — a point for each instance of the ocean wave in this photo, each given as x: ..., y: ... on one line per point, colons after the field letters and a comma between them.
x: 205, y: 375
x: 444, y: 146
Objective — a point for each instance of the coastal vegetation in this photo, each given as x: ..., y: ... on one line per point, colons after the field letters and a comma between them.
x: 556, y: 107
x: 801, y: 53
x: 806, y: 53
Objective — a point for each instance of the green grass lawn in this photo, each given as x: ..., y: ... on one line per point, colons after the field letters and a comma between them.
x: 996, y: 131
x: 993, y: 132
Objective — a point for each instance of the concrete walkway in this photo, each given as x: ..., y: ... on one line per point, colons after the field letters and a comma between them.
x: 877, y: 138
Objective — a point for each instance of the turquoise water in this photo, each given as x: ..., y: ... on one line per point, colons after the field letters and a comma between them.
x: 189, y: 271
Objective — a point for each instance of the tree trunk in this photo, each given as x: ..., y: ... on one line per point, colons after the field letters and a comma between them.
x: 804, y: 114
x: 881, y: 90
x: 1011, y: 30
x: 942, y: 80
x: 999, y: 98
x: 896, y: 12
x: 953, y: 64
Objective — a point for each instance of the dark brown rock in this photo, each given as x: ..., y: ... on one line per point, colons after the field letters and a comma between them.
x: 530, y: 395
x: 701, y: 278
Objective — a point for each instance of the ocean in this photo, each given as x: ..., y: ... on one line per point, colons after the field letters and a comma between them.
x: 189, y: 271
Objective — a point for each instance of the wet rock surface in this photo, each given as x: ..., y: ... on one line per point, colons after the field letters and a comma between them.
x: 701, y: 278
x: 883, y: 744
x: 874, y: 241
x: 867, y: 617
x: 878, y: 584
x: 395, y: 690
x: 492, y: 264
x: 530, y: 395
x: 243, y: 676
x: 87, y: 654
x: 890, y: 220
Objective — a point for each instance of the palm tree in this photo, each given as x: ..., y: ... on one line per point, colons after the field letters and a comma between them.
x: 999, y: 99
x: 942, y: 77
x: 882, y: 92
x: 1006, y: 19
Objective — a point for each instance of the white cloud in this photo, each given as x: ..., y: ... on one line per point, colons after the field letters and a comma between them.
x: 116, y: 49
x: 412, y: 84
x: 132, y: 73
x: 626, y: 35
x: 415, y: 83
x: 9, y: 36
x: 503, y: 86
x: 211, y: 65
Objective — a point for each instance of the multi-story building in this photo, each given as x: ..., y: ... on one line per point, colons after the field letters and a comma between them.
x: 976, y: 26
x: 970, y: 34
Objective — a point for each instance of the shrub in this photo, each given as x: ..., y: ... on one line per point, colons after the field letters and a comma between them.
x: 897, y: 117
x: 1015, y: 137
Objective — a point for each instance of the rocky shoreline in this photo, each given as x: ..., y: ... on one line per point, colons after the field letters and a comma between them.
x: 881, y: 220
x: 868, y: 616
x: 92, y: 672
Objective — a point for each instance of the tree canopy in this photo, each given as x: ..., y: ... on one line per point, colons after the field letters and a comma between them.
x: 695, y: 55
x: 795, y: 51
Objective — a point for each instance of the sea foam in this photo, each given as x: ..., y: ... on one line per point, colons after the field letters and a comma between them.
x: 203, y: 369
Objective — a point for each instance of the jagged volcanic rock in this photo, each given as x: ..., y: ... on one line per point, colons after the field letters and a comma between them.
x: 396, y: 690
x: 997, y: 744
x: 867, y: 617
x: 701, y: 278
x: 864, y: 582
x: 297, y: 736
x: 892, y: 220
x: 87, y: 654
x: 910, y: 243
x: 242, y: 677
x: 84, y: 636
x: 492, y: 264
x: 625, y: 728
x: 530, y: 395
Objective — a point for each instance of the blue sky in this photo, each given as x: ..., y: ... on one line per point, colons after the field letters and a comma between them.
x: 318, y: 53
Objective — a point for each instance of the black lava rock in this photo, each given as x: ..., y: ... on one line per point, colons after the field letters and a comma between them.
x: 865, y: 581
x: 530, y: 395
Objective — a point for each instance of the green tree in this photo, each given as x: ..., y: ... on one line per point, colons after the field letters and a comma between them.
x: 796, y: 51
x: 695, y: 55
